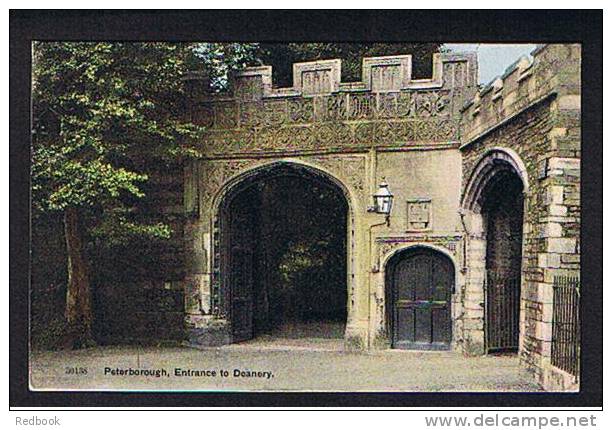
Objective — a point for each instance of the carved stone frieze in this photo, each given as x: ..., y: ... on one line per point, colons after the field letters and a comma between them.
x: 335, y: 121
x: 349, y: 169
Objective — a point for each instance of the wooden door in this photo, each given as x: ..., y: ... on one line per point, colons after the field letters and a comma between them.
x: 421, y: 283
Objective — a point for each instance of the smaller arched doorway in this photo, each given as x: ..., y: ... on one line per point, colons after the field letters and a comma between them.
x: 420, y: 283
x: 494, y: 203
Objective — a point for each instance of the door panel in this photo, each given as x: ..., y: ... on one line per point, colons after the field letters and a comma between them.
x: 421, y: 283
x: 422, y: 324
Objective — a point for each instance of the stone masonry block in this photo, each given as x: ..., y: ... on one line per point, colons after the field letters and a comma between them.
x: 570, y: 258
x: 547, y: 312
x: 543, y: 331
x: 549, y: 260
x: 545, y: 291
x: 550, y: 229
x: 561, y: 245
x: 560, y: 166
x: 569, y: 102
x: 554, y: 195
x: 558, y: 210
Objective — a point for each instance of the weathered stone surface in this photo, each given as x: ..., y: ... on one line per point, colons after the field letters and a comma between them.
x: 558, y: 210
x: 549, y: 260
x: 561, y: 245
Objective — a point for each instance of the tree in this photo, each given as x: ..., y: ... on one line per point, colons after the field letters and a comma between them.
x: 220, y: 60
x: 282, y: 56
x: 102, y: 113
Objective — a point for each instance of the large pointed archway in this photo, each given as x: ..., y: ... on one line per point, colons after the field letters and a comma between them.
x: 283, y: 254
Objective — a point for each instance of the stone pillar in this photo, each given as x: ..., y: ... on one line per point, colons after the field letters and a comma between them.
x: 359, y: 299
x: 474, y: 293
x: 202, y: 328
x: 559, y: 233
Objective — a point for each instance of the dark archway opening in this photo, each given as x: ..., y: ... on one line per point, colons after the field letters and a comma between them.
x: 502, y: 209
x: 285, y: 256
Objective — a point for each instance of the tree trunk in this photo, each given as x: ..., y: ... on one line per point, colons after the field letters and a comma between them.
x: 78, y: 295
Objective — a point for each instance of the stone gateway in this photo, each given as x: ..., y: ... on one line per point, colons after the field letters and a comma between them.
x: 485, y: 216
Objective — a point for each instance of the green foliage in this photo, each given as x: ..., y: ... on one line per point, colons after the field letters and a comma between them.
x: 282, y: 56
x: 220, y: 60
x: 117, y: 229
x: 102, y: 114
x: 306, y: 248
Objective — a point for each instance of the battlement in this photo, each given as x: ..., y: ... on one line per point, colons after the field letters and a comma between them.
x: 319, y: 113
x: 528, y: 81
x: 379, y: 75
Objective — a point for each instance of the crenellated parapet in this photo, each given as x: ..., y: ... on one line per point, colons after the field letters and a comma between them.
x: 387, y: 109
x: 379, y: 75
x: 527, y: 82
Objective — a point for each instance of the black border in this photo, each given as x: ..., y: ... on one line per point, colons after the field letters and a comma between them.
x: 578, y: 26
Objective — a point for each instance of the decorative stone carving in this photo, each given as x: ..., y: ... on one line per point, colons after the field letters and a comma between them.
x: 386, y: 245
x: 387, y: 73
x: 300, y: 111
x: 419, y: 214
x: 334, y: 121
x: 317, y: 77
x: 217, y: 173
x: 350, y: 169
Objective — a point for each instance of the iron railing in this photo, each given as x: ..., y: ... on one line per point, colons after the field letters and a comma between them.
x: 502, y: 310
x: 565, y: 352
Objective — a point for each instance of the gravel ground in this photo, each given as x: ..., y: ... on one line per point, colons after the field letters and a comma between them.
x: 267, y: 366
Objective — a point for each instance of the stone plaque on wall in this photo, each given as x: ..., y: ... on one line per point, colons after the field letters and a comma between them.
x: 419, y: 214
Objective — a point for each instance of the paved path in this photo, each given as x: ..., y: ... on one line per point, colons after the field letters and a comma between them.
x: 265, y: 366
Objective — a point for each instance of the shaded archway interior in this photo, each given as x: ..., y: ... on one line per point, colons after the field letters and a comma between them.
x: 502, y: 211
x: 284, y: 234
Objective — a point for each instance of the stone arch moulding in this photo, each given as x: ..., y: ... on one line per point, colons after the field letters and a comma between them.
x: 251, y: 171
x: 494, y: 160
x: 237, y: 171
x: 386, y: 257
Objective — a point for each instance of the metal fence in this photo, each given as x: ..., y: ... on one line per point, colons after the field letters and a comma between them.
x: 502, y: 310
x: 565, y: 352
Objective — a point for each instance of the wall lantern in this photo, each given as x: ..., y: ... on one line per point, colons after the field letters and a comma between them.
x: 383, y: 200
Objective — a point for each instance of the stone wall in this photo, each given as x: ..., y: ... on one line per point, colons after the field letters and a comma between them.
x: 320, y: 114
x: 139, y: 296
x: 533, y: 113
